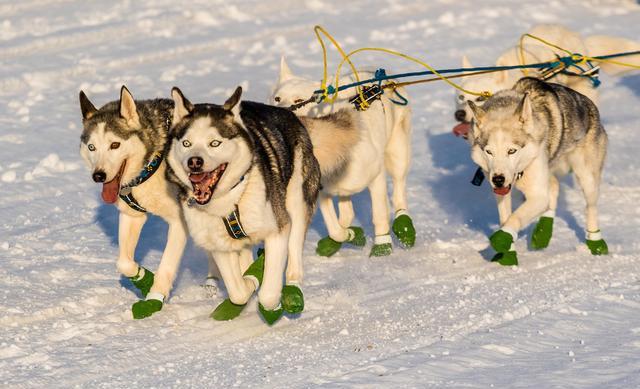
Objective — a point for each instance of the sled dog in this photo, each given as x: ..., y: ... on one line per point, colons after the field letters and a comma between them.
x: 383, y: 145
x: 524, y: 138
x: 123, y: 144
x: 247, y: 174
x: 536, y: 51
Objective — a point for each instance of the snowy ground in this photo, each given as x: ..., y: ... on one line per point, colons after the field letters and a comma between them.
x: 438, y: 315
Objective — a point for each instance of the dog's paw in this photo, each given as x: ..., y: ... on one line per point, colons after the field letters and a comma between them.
x: 358, y: 237
x: 404, y: 230
x: 227, y: 311
x: 542, y: 233
x: 145, y: 308
x: 256, y: 269
x: 271, y: 316
x: 598, y: 247
x: 509, y: 258
x: 210, y: 287
x: 143, y: 283
x: 327, y: 247
x: 381, y: 250
x: 292, y: 299
x: 501, y: 241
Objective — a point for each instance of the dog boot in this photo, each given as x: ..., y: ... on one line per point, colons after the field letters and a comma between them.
x: 271, y: 316
x: 596, y: 244
x: 227, y: 311
x: 256, y: 270
x: 403, y: 229
x: 146, y: 308
x: 542, y: 233
x: 509, y: 258
x: 381, y: 246
x: 143, y: 280
x: 292, y: 299
x: 501, y: 241
x: 327, y: 246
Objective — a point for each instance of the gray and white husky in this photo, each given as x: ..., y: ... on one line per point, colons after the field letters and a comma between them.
x: 247, y: 175
x: 383, y: 145
x: 525, y: 137
x: 123, y: 144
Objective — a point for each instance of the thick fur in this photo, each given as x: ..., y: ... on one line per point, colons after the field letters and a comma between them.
x: 141, y: 129
x: 535, y: 51
x: 381, y: 143
x: 271, y: 175
x: 541, y: 130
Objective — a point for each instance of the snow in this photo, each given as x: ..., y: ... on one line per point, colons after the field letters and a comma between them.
x: 438, y: 315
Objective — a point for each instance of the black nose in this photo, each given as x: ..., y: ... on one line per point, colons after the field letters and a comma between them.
x: 461, y: 115
x: 195, y: 163
x: 99, y: 176
x: 498, y: 180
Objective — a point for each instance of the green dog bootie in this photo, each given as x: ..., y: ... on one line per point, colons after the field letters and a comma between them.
x: 598, y: 247
x: 256, y: 269
x: 143, y: 283
x: 501, y: 241
x: 145, y: 308
x: 358, y: 239
x: 292, y: 299
x: 327, y: 247
x: 381, y: 250
x: 542, y: 233
x: 509, y: 258
x: 270, y: 316
x: 227, y: 311
x: 404, y: 230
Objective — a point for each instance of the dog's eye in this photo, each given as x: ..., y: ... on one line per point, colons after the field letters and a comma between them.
x: 114, y: 145
x: 461, y: 97
x: 186, y: 143
x: 488, y: 151
x: 480, y: 99
x: 91, y: 147
x: 215, y: 143
x: 512, y: 151
x: 276, y: 99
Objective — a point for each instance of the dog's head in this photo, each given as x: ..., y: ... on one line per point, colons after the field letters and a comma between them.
x: 210, y: 149
x: 502, y: 138
x: 110, y: 144
x: 291, y: 89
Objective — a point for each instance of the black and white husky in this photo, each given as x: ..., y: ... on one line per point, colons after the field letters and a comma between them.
x: 247, y: 175
x: 123, y: 143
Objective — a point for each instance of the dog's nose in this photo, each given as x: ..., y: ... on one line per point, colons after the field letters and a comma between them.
x: 461, y: 115
x: 195, y: 163
x: 498, y: 180
x: 99, y: 176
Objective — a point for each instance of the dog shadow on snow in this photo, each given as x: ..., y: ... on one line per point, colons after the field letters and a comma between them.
x: 153, y: 239
x: 472, y: 205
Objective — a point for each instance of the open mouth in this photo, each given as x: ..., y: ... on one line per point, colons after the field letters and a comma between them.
x: 502, y: 191
x: 204, y: 184
x: 111, y: 189
x: 462, y: 129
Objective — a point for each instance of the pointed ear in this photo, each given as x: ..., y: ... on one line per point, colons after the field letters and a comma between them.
x: 285, y: 71
x: 128, y: 110
x: 233, y: 100
x: 478, y: 113
x: 181, y: 106
x: 465, y: 62
x: 524, y: 110
x: 87, y: 108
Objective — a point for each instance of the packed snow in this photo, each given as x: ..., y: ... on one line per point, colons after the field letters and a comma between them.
x: 438, y: 315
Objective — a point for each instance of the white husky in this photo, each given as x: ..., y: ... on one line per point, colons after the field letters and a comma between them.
x: 384, y: 145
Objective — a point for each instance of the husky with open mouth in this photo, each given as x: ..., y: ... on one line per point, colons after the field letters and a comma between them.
x: 247, y: 175
x: 524, y: 138
x: 123, y: 144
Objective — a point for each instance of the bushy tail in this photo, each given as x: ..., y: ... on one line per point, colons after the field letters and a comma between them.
x: 606, y: 45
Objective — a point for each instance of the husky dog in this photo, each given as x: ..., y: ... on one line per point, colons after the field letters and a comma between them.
x: 247, y: 174
x: 123, y: 144
x: 536, y: 51
x: 383, y: 145
x: 525, y: 137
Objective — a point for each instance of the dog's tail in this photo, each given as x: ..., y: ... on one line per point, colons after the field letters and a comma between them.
x: 333, y: 137
x: 605, y: 45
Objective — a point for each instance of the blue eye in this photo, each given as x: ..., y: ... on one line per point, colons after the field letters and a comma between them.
x: 186, y: 143
x: 512, y: 151
x: 215, y: 143
x: 91, y: 147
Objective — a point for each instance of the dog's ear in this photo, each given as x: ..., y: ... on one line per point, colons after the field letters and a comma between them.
x: 232, y: 102
x: 524, y: 110
x: 87, y: 108
x: 285, y: 71
x: 181, y: 106
x: 128, y: 110
x: 478, y: 113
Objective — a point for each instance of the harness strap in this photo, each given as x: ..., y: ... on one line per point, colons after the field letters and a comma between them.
x: 233, y: 225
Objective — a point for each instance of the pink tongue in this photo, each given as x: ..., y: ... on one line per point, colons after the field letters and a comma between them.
x: 110, y: 191
x: 196, y: 178
x: 462, y: 129
x: 501, y: 191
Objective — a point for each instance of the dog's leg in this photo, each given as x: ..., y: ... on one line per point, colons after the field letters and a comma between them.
x: 213, y: 274
x: 397, y: 163
x: 275, y: 250
x: 544, y: 229
x: 504, y: 207
x: 163, y: 280
x: 129, y: 228
x: 292, y: 297
x: 380, y: 212
x: 345, y: 211
x: 330, y: 245
x: 239, y: 287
